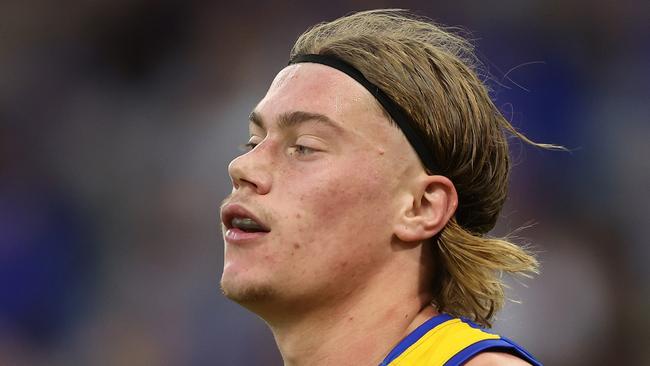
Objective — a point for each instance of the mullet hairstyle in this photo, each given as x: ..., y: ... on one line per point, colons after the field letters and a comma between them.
x: 432, y: 74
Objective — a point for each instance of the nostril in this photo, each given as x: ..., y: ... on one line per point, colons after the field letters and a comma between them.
x: 249, y: 183
x: 245, y: 171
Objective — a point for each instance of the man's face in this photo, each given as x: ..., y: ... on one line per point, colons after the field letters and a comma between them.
x: 323, y: 183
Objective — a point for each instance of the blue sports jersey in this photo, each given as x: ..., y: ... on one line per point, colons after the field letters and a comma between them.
x: 447, y: 341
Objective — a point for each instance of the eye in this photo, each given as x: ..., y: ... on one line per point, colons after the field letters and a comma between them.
x: 301, y: 150
x: 250, y: 145
x: 247, y: 147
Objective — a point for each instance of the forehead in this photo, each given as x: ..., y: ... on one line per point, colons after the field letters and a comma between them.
x: 320, y: 89
x: 316, y: 88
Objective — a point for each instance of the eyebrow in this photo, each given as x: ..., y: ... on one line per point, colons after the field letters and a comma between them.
x: 292, y: 119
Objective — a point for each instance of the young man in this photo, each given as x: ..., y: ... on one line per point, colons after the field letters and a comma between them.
x: 357, y: 223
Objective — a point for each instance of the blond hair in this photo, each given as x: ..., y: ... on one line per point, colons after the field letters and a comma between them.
x: 432, y: 74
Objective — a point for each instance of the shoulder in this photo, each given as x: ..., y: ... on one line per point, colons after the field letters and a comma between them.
x: 496, y: 359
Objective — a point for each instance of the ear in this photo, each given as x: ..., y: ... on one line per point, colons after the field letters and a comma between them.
x: 433, y: 201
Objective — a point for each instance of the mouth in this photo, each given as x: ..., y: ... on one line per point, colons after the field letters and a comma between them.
x: 247, y: 224
x: 241, y: 224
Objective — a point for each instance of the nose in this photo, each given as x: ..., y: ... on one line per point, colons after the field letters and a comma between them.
x: 251, y: 171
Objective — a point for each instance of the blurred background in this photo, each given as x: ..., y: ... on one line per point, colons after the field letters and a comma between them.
x: 118, y: 119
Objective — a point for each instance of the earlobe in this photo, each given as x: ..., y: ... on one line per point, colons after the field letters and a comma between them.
x: 434, y: 201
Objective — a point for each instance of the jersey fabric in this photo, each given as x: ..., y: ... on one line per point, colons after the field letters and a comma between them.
x: 447, y: 341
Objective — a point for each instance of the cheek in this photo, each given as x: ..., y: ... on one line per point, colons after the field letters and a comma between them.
x: 357, y: 192
x: 341, y: 205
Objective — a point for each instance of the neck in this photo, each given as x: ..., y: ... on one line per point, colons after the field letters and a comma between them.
x: 360, y: 330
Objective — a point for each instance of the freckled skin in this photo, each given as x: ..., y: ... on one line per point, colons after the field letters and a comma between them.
x: 333, y: 212
x: 337, y: 204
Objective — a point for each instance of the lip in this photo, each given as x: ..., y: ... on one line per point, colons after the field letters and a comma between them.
x: 235, y: 235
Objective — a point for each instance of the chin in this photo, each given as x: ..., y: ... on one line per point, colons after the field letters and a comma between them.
x: 248, y: 293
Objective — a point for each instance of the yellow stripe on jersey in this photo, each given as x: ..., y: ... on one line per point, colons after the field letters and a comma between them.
x: 440, y: 344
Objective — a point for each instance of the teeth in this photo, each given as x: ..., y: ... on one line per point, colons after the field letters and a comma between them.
x: 246, y: 224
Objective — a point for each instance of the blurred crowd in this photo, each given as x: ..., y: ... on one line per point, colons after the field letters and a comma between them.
x: 118, y: 119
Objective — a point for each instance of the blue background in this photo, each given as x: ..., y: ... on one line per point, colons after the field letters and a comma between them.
x: 118, y: 119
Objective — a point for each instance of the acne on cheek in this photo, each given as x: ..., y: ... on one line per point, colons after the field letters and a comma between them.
x: 351, y: 192
x: 347, y: 201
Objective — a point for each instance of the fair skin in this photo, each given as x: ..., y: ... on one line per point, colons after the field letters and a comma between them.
x: 345, y: 205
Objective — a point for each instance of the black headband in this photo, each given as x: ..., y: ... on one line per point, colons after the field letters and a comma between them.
x: 397, y: 113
